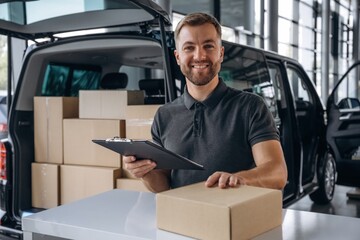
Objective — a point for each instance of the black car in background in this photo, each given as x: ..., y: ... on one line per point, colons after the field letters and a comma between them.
x: 138, y: 42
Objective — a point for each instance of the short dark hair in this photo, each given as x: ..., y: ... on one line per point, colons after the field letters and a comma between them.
x: 197, y: 19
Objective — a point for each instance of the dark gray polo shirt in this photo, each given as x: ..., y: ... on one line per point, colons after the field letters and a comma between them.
x: 217, y: 133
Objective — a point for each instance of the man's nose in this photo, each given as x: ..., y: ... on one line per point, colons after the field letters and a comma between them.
x: 199, y: 54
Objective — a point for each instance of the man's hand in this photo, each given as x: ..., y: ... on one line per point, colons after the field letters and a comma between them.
x: 138, y: 168
x: 223, y: 180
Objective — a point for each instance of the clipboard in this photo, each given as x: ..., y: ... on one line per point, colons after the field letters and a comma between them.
x: 144, y: 149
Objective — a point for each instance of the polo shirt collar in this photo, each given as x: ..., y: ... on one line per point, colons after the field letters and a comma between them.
x: 211, y: 100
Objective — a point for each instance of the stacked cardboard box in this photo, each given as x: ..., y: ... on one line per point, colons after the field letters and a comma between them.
x: 49, y: 113
x: 131, y: 184
x: 68, y: 164
x: 45, y: 185
x: 79, y: 148
x: 77, y: 182
x: 108, y: 104
x: 139, y: 119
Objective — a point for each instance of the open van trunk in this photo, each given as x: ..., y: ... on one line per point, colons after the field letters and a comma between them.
x: 125, y: 36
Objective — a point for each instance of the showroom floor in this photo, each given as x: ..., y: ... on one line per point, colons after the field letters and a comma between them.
x: 340, y: 205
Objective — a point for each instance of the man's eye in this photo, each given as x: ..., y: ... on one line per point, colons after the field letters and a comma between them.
x: 209, y: 46
x: 188, y: 48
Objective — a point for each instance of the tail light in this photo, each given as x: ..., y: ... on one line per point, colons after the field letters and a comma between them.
x: 2, y: 161
x: 3, y: 127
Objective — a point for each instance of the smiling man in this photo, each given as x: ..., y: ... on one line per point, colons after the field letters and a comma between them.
x: 228, y: 131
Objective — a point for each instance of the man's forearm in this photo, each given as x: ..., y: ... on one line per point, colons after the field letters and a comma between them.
x: 157, y: 180
x: 267, y: 176
x: 270, y: 170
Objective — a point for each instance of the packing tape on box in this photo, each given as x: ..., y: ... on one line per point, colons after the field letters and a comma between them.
x: 139, y: 122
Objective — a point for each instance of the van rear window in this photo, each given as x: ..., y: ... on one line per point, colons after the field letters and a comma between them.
x: 67, y: 80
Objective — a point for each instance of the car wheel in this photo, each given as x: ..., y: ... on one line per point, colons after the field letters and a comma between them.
x: 326, y: 178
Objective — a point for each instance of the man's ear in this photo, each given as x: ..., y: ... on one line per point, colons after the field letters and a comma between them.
x: 177, y: 57
x: 222, y: 53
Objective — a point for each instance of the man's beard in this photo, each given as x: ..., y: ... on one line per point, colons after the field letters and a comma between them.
x: 203, y: 78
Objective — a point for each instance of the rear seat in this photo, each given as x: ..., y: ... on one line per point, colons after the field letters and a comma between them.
x: 154, y: 90
x: 114, y: 80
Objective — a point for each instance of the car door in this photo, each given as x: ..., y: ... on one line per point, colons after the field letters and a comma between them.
x: 26, y: 19
x: 305, y: 112
x: 343, y: 128
x: 286, y: 126
x: 250, y: 70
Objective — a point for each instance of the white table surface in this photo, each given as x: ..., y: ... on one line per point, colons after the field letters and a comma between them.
x: 120, y: 214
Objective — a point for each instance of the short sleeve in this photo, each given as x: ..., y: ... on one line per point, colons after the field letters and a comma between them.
x: 155, y: 129
x: 261, y: 122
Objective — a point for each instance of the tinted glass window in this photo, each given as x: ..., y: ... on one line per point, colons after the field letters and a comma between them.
x: 184, y: 7
x: 67, y: 80
x: 245, y: 69
x: 299, y: 89
x: 276, y: 80
x: 34, y: 10
x: 347, y: 94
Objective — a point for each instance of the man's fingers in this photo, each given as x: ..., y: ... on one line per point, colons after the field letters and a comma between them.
x: 234, y: 181
x: 138, y: 168
x: 139, y: 172
x: 223, y: 180
x: 128, y: 159
x: 137, y: 164
x: 212, y: 179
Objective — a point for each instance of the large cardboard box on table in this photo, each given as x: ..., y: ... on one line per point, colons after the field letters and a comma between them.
x: 77, y: 182
x: 131, y: 184
x: 214, y: 213
x: 45, y: 188
x: 107, y: 104
x: 49, y: 113
x: 79, y: 148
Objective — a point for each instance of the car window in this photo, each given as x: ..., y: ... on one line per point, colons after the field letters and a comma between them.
x: 67, y: 80
x: 347, y: 92
x: 29, y: 20
x: 297, y: 84
x: 245, y: 69
x: 276, y: 80
x: 33, y: 10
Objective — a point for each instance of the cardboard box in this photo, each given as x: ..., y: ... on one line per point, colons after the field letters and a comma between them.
x: 141, y: 111
x: 107, y: 104
x: 126, y: 174
x: 214, y: 213
x: 79, y: 148
x: 77, y: 182
x: 139, y: 120
x: 139, y: 129
x: 131, y: 184
x: 45, y: 185
x: 49, y: 113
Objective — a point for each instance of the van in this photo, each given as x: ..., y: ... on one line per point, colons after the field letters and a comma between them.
x: 130, y: 47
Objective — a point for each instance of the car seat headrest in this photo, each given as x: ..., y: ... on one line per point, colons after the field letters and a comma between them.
x: 153, y: 86
x: 114, y: 80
